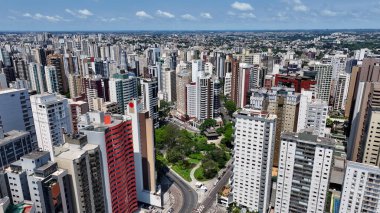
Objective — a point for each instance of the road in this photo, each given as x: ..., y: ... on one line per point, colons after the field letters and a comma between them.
x: 207, y: 203
x: 183, y: 125
x: 190, y: 197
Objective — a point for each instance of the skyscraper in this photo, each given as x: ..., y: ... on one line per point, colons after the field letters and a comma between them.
x: 361, y: 191
x: 253, y: 154
x: 51, y: 118
x: 56, y: 61
x: 123, y: 88
x: 83, y: 163
x: 114, y: 136
x: 17, y: 114
x: 304, y: 172
x: 183, y: 78
x: 38, y: 179
x: 324, y: 77
x: 149, y: 92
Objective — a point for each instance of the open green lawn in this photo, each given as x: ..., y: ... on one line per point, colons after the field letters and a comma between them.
x: 198, y: 174
x: 183, y: 172
x: 193, y: 161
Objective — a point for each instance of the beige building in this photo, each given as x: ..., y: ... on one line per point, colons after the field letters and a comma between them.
x: 110, y: 107
x: 364, y: 116
x: 83, y: 164
x: 75, y: 85
x: 372, y: 149
x: 183, y: 78
x: 284, y: 103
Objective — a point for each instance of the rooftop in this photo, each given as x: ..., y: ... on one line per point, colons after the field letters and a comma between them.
x: 12, y: 135
x: 308, y: 136
x: 36, y: 155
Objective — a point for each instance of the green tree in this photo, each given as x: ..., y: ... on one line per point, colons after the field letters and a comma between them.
x: 230, y: 106
x: 210, y: 169
x: 207, y: 123
x: 174, y: 155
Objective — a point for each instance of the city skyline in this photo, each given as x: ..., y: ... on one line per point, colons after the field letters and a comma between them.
x: 100, y: 15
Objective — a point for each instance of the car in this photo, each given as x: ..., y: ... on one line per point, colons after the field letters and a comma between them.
x: 171, y: 210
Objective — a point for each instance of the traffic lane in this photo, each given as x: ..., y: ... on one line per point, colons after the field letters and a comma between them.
x: 207, y: 203
x: 189, y: 196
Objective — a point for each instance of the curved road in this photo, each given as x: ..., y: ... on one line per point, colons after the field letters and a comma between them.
x: 190, y: 197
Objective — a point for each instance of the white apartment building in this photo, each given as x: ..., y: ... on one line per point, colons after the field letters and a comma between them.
x: 196, y: 69
x: 191, y: 105
x: 324, y: 78
x: 303, y: 172
x: 16, y: 112
x: 149, y: 93
x: 169, y: 85
x: 227, y: 83
x: 51, y: 117
x: 253, y: 159
x: 305, y: 98
x: 361, y: 188
x: 313, y: 115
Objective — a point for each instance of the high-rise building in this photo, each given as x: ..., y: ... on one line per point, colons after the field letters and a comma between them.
x: 183, y: 78
x: 243, y: 84
x: 144, y: 154
x: 75, y: 85
x: 235, y: 81
x: 13, y: 145
x: 34, y: 177
x: 341, y: 91
x: 56, y: 61
x: 367, y: 98
x: 51, y: 79
x: 227, y: 84
x: 303, y: 172
x: 314, y: 117
x: 149, y: 92
x: 123, y: 88
x: 21, y: 68
x: 253, y: 153
x: 284, y: 103
x: 169, y: 85
x: 361, y: 191
x: 37, y: 78
x: 205, y: 98
x: 51, y: 118
x: 83, y: 163
x: 114, y: 136
x: 196, y: 69
x: 191, y: 100
x: 324, y: 77
x: 77, y: 108
x: 95, y: 87
x: 17, y: 114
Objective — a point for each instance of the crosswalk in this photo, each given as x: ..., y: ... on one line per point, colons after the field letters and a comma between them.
x: 200, y: 209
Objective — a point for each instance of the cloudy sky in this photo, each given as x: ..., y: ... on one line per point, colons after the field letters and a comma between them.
x: 29, y: 15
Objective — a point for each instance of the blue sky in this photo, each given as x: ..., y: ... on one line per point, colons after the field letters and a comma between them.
x: 51, y: 15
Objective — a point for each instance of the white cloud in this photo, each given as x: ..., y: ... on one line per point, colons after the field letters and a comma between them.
x: 84, y: 13
x: 164, y: 14
x: 327, y: 12
x: 113, y: 19
x: 281, y: 16
x: 247, y: 15
x: 206, y: 15
x: 142, y: 14
x: 241, y: 6
x: 297, y: 5
x: 39, y: 16
x: 188, y: 17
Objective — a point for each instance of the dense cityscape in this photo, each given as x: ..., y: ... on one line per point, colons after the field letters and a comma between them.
x: 189, y: 121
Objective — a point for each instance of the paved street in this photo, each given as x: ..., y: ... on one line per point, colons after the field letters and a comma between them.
x: 208, y: 202
x: 189, y: 196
